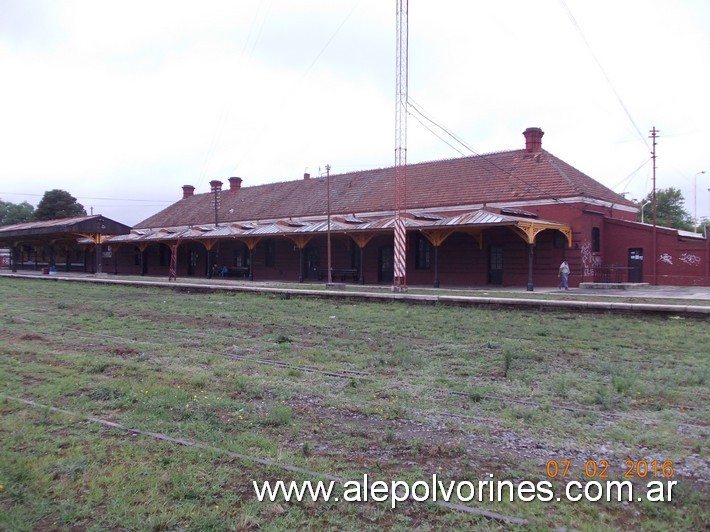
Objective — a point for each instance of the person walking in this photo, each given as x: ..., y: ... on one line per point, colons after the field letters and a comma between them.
x: 564, y: 275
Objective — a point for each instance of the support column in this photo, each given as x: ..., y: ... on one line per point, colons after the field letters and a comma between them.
x: 300, y: 265
x: 172, y: 271
x: 99, y: 255
x: 361, y: 279
x: 15, y: 257
x: 436, y: 266
x: 530, y: 267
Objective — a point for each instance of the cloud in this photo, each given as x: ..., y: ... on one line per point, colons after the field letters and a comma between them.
x: 131, y: 100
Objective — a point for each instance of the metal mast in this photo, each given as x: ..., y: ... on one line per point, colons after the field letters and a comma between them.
x: 400, y: 167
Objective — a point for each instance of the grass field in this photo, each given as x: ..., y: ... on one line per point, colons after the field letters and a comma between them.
x: 210, y: 391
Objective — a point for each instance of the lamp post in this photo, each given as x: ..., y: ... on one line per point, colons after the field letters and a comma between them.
x: 695, y: 200
x: 642, y: 207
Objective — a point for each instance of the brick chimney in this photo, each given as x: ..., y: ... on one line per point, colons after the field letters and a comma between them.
x: 215, y: 185
x: 187, y: 191
x: 533, y: 139
x: 235, y: 183
x: 306, y: 175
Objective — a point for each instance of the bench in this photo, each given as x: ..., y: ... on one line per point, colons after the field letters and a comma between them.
x: 342, y: 273
x: 230, y: 271
x: 237, y: 271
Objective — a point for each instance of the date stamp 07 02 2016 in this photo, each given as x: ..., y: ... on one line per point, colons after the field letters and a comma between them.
x: 599, y: 468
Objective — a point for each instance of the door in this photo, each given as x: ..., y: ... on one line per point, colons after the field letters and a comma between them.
x: 312, y: 258
x: 495, y: 265
x: 385, y: 271
x: 635, y: 265
x: 193, y: 260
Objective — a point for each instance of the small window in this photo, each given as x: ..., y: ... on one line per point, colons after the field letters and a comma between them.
x: 423, y: 252
x: 270, y: 253
x: 596, y: 240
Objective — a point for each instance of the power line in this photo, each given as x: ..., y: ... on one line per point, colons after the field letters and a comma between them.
x: 484, y: 157
x: 290, y: 92
x: 628, y: 178
x: 618, y: 97
x: 83, y: 198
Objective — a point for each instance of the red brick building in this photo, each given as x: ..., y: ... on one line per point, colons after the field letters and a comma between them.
x: 506, y: 218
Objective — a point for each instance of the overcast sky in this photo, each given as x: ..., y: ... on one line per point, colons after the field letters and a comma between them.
x: 122, y: 103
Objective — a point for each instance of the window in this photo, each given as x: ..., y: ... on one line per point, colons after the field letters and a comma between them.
x: 422, y: 249
x: 596, y: 240
x: 239, y: 257
x: 270, y: 253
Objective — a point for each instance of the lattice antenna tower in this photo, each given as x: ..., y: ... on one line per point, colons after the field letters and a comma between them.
x: 400, y: 166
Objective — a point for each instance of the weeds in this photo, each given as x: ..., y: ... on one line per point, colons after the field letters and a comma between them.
x: 466, y: 391
x: 278, y: 416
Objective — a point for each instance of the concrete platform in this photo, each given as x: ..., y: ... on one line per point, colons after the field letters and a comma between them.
x: 613, y: 286
x: 660, y: 300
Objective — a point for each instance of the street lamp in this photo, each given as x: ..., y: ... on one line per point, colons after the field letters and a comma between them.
x: 642, y: 206
x: 695, y: 200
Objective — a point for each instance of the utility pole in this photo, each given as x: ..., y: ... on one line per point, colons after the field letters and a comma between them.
x: 400, y: 167
x: 330, y: 265
x: 695, y: 201
x: 654, y: 134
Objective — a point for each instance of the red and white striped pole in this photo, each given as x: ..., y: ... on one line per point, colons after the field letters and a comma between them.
x: 400, y: 168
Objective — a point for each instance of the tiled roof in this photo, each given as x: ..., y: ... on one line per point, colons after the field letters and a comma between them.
x: 510, y: 176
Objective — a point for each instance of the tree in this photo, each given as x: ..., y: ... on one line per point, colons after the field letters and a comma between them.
x: 15, y: 213
x: 670, y: 211
x: 57, y: 204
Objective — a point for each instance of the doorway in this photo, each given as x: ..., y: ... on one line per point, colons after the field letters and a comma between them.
x: 312, y: 258
x: 385, y: 270
x: 495, y: 265
x: 192, y: 262
x: 635, y: 265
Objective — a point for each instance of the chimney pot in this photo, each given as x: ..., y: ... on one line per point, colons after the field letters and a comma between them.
x: 533, y: 139
x: 235, y: 183
x: 187, y: 191
x: 215, y: 184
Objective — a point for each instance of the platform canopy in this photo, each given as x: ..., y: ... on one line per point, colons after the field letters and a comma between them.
x: 95, y: 227
x: 436, y: 228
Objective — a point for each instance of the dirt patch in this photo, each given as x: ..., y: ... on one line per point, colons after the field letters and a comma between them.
x: 32, y: 337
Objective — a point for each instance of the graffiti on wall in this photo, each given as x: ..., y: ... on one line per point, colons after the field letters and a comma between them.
x: 691, y: 260
x: 687, y: 258
x: 589, y: 259
x: 665, y: 257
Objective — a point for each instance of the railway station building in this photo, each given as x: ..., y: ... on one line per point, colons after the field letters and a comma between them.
x: 507, y: 218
